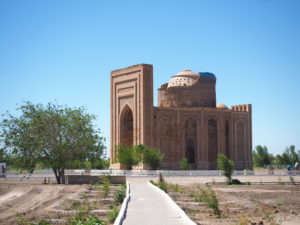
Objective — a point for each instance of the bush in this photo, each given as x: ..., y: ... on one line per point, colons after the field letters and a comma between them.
x: 226, y: 165
x: 184, y: 164
x: 128, y: 156
x: 152, y: 157
x: 112, y: 215
x: 93, y: 220
x: 120, y: 195
x: 235, y: 181
x: 106, y: 185
x: 209, y: 197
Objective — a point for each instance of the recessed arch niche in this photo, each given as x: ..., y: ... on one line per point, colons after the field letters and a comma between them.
x: 126, y: 126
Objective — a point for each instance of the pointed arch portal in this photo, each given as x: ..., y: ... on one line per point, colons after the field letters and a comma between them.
x: 191, y: 141
x: 126, y: 129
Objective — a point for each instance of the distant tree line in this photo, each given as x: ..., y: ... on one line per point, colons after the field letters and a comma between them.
x: 262, y: 157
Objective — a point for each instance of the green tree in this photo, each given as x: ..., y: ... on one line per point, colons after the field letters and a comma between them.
x: 184, y: 164
x: 128, y: 156
x: 226, y: 165
x: 52, y: 136
x: 151, y: 156
x: 261, y: 156
x: 289, y: 156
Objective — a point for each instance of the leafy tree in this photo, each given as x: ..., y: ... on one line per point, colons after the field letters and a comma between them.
x: 226, y: 165
x: 261, y: 156
x: 288, y: 157
x: 150, y: 156
x: 128, y: 156
x: 184, y: 164
x: 52, y: 135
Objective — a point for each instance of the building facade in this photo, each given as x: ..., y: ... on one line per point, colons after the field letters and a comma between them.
x: 186, y: 123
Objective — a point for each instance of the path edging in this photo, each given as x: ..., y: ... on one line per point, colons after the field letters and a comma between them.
x: 122, y: 213
x: 170, y: 201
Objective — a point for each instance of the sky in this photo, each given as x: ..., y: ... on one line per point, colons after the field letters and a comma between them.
x: 64, y: 51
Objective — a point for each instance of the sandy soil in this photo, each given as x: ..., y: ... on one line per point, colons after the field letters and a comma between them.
x: 245, y: 204
x: 32, y: 197
x: 34, y: 201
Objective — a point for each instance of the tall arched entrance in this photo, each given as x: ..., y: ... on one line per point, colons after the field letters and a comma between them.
x: 212, y: 137
x: 191, y: 142
x: 126, y: 128
x: 227, y: 140
x: 240, y: 141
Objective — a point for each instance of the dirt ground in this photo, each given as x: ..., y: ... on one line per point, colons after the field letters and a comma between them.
x: 255, y: 204
x: 33, y: 201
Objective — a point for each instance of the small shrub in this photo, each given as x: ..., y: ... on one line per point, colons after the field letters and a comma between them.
x: 226, y: 165
x: 248, y: 183
x: 279, y: 201
x: 292, y: 180
x: 93, y: 220
x: 184, y: 164
x: 209, y: 197
x: 43, y: 222
x: 120, y: 195
x: 152, y: 157
x: 235, y: 181
x: 244, y: 220
x: 106, y: 185
x: 113, y: 214
x: 163, y: 186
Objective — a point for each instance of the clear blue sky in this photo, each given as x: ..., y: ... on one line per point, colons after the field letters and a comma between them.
x: 65, y: 50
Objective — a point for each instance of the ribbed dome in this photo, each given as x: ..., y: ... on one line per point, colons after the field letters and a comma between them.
x: 221, y: 106
x: 186, y: 72
x: 184, y: 78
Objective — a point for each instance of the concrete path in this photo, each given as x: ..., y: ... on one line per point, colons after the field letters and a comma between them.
x: 147, y: 207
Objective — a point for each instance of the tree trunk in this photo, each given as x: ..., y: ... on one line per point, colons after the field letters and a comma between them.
x: 59, y: 174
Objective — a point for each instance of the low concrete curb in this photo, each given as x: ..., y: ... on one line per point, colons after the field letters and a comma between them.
x: 123, y: 210
x: 182, y: 214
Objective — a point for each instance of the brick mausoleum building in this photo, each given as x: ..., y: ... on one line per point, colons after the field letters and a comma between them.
x: 186, y: 123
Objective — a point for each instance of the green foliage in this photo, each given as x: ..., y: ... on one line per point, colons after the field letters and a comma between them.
x: 113, y: 214
x: 151, y: 156
x: 261, y: 156
x: 236, y: 182
x: 43, y: 222
x: 208, y: 196
x: 279, y: 201
x: 288, y: 157
x: 128, y: 155
x: 52, y: 136
x: 226, y: 165
x: 120, y: 195
x: 93, y: 220
x: 184, y: 164
x: 106, y: 185
x: 133, y: 155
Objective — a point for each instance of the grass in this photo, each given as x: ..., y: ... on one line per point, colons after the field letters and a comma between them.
x: 113, y: 214
x: 279, y: 201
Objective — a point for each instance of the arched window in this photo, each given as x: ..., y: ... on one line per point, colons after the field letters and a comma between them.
x: 164, y: 134
x: 212, y: 135
x: 126, y: 128
x: 190, y: 140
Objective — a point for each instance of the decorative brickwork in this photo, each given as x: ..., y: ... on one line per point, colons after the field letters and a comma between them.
x: 187, y: 122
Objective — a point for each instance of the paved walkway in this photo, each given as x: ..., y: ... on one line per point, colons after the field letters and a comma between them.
x: 147, y: 207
